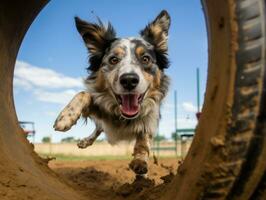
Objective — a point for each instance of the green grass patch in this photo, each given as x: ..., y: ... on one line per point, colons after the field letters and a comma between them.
x: 63, y: 157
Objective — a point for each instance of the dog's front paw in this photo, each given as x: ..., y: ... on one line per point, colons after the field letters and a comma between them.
x: 85, y: 143
x: 65, y: 121
x: 139, y: 166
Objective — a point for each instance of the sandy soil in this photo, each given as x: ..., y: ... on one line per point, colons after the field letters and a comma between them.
x: 112, y: 179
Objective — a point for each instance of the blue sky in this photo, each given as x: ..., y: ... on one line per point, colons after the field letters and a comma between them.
x: 52, y: 59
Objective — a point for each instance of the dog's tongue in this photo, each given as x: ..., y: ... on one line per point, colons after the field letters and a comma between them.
x: 130, y: 105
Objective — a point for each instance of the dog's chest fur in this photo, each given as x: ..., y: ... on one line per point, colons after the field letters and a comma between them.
x: 119, y: 129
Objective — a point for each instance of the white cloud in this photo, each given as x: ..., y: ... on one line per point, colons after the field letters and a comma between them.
x: 45, y: 84
x: 189, y: 107
x: 27, y: 75
x: 55, y: 97
x: 22, y: 83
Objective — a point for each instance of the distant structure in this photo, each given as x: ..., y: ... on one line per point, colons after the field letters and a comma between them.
x: 29, y: 129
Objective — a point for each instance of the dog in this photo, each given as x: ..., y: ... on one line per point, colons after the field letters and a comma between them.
x: 125, y: 86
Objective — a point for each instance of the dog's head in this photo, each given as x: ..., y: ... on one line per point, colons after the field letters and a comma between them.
x: 130, y: 71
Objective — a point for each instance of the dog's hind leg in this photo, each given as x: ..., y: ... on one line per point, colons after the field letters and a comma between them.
x: 88, y: 141
x: 141, y: 155
x: 72, y: 112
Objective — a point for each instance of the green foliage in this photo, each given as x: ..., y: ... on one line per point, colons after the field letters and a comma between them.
x: 69, y: 140
x: 67, y: 157
x: 46, y: 139
x: 175, y: 136
x: 159, y: 137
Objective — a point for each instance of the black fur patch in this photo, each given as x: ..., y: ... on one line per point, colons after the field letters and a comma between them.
x: 162, y: 59
x: 97, y: 38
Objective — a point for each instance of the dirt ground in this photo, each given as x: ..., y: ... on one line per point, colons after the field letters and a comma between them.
x: 112, y: 179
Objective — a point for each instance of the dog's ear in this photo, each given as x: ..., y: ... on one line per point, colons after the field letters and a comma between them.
x: 97, y: 37
x: 156, y: 33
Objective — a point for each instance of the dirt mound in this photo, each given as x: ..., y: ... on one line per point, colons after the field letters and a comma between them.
x: 114, y: 179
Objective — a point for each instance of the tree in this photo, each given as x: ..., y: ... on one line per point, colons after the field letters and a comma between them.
x: 159, y: 138
x: 175, y: 136
x: 46, y: 139
x: 68, y: 140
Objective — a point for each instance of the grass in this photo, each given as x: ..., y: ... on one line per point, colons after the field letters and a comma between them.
x: 64, y: 157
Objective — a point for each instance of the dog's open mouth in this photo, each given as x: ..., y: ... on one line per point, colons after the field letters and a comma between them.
x: 130, y: 104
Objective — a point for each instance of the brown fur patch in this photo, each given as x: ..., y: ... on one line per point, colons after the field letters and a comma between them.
x: 100, y: 83
x: 119, y: 51
x: 142, y: 145
x: 98, y: 37
x: 155, y: 80
x: 160, y: 38
x: 148, y: 77
x: 140, y: 51
x: 156, y: 30
x: 154, y: 90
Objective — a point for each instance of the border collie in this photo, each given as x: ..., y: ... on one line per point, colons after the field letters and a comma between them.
x: 125, y: 86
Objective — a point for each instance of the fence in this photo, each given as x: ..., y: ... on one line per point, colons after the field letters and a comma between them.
x: 105, y: 149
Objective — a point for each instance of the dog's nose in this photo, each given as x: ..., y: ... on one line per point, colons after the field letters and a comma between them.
x: 129, y: 81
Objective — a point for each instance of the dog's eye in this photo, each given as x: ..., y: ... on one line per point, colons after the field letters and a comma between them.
x: 114, y: 60
x: 145, y: 60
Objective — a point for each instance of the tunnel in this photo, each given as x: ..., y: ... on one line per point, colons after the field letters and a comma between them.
x: 227, y: 159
